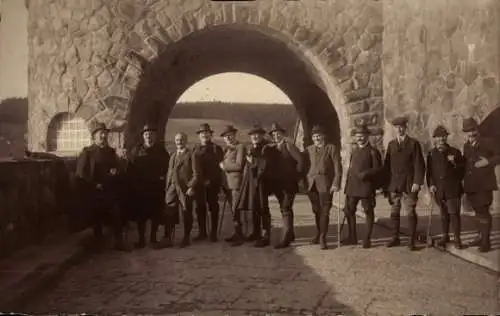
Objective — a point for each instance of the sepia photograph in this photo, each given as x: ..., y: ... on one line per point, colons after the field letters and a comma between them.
x: 250, y: 158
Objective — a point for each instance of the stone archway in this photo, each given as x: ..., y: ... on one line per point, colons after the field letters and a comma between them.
x: 91, y: 57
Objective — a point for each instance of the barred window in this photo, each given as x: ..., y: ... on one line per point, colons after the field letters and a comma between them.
x: 67, y: 133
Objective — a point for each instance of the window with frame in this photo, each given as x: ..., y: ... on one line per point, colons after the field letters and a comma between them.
x: 68, y: 134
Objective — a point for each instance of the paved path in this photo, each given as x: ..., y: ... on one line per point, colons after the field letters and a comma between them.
x: 215, y: 279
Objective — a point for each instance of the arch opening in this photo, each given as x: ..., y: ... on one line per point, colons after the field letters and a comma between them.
x: 67, y: 134
x: 230, y: 48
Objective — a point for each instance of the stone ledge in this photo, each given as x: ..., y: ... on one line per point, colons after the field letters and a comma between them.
x: 28, y: 271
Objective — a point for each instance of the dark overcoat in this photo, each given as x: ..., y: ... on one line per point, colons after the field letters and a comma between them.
x: 445, y: 170
x: 209, y: 157
x: 481, y: 179
x: 364, y: 168
x: 289, y: 165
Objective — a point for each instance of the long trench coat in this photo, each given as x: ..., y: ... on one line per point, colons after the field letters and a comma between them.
x: 253, y: 193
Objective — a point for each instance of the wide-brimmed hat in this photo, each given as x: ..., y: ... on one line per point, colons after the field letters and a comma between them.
x: 317, y: 129
x: 204, y: 128
x: 97, y: 126
x: 275, y: 127
x: 400, y: 121
x: 257, y: 129
x: 149, y: 128
x: 440, y: 131
x: 229, y: 129
x: 361, y: 129
x: 469, y: 124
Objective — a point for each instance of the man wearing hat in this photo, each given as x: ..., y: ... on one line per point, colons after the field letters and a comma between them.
x: 404, y: 168
x: 324, y: 178
x: 97, y: 167
x: 481, y: 156
x: 232, y: 165
x: 147, y: 169
x: 445, y: 171
x: 254, y: 192
x: 288, y: 172
x: 209, y: 156
x: 361, y: 184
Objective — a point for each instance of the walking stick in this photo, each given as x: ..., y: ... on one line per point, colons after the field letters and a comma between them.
x: 429, y: 240
x: 338, y: 221
x: 224, y: 206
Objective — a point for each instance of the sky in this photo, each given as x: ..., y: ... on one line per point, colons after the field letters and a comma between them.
x: 235, y: 87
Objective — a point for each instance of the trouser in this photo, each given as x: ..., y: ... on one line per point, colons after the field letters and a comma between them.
x: 208, y: 195
x: 149, y: 207
x: 321, y: 203
x: 105, y: 211
x: 481, y: 203
x: 232, y: 197
x: 286, y: 199
x: 261, y: 218
x: 450, y: 213
x: 410, y: 202
x: 368, y: 204
x: 172, y: 205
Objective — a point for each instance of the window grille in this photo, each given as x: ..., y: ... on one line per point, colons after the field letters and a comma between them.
x: 68, y: 133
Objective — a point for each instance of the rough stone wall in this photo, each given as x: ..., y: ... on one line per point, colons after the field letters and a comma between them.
x: 88, y: 57
x: 441, y: 63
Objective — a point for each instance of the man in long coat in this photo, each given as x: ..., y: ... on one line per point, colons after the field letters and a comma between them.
x: 361, y: 183
x: 97, y: 168
x: 481, y: 156
x: 182, y: 180
x: 324, y: 179
x: 404, y: 167
x: 232, y: 165
x: 254, y: 193
x: 148, y: 168
x: 445, y: 171
x: 209, y: 155
x: 289, y: 169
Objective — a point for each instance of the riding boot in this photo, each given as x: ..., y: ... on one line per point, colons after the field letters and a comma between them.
x: 238, y: 239
x: 315, y: 240
x: 292, y: 230
x: 188, y: 226
x: 324, y: 224
x: 445, y: 223
x: 370, y: 219
x: 202, y: 227
x: 166, y: 242
x: 352, y: 238
x: 412, y: 221
x: 265, y: 240
x: 256, y: 228
x: 141, y: 230
x: 455, y: 225
x: 396, y: 221
x: 485, y: 245
x: 214, y: 224
x: 287, y: 232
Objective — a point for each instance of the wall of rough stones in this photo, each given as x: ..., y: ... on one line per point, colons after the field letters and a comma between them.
x: 441, y: 63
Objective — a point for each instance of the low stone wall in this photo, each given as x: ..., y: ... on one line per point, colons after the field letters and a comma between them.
x: 37, y: 200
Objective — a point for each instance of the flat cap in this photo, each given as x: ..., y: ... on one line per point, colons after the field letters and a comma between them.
x: 317, y: 129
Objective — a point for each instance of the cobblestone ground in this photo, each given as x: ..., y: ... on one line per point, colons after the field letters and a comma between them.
x: 215, y: 279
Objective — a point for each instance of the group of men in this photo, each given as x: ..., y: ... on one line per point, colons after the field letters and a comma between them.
x: 151, y: 184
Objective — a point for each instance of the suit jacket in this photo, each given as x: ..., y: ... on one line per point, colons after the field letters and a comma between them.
x: 404, y: 165
x: 364, y: 168
x: 290, y: 164
x: 445, y: 170
x: 94, y: 167
x: 182, y: 174
x: 208, y: 158
x: 233, y: 163
x: 148, y: 168
x: 481, y: 179
x: 325, y: 167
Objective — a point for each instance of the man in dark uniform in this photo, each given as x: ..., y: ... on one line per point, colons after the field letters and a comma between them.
x: 254, y: 192
x: 364, y: 168
x: 232, y: 165
x: 481, y: 156
x: 209, y: 156
x: 182, y: 179
x: 97, y: 167
x: 404, y: 167
x: 445, y: 171
x: 324, y: 178
x: 289, y: 168
x: 148, y: 168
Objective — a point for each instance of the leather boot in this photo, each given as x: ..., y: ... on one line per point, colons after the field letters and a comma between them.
x: 370, y: 219
x: 455, y: 225
x: 485, y: 245
x: 186, y: 239
x: 315, y: 240
x: 214, y: 224
x: 287, y: 232
x: 292, y: 230
x: 445, y: 223
x: 256, y: 228
x: 166, y: 242
x: 395, y: 241
x: 265, y: 240
x: 324, y: 225
x: 352, y: 238
x: 412, y: 221
x: 238, y: 239
x: 202, y: 227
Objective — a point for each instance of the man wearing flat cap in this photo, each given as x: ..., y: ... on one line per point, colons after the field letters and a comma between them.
x: 285, y: 184
x: 445, y: 171
x: 254, y: 192
x: 361, y: 184
x: 208, y: 156
x: 404, y: 168
x: 481, y: 156
x: 97, y: 167
x: 147, y: 169
x: 232, y: 165
x: 324, y: 179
